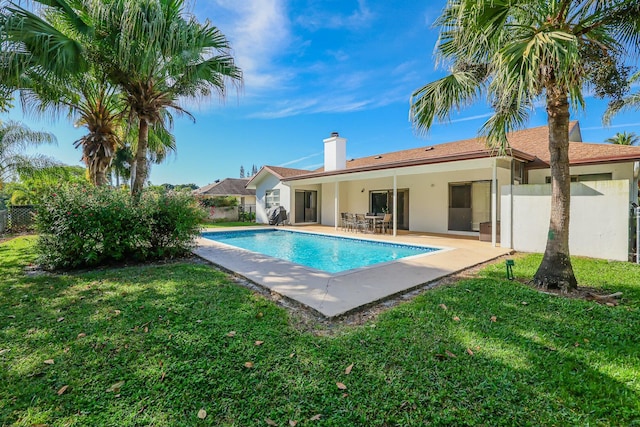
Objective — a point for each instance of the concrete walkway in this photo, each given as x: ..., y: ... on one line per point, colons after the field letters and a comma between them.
x: 335, y: 294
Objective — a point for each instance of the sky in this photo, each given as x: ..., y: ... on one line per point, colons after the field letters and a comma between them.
x: 312, y: 67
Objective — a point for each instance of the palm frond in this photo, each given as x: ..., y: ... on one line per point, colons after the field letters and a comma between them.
x: 436, y: 100
x: 630, y: 103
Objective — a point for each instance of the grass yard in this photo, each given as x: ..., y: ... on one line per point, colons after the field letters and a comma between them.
x: 181, y: 345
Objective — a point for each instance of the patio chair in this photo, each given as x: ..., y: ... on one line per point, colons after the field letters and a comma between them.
x: 362, y: 223
x: 344, y: 221
x: 385, y: 224
x: 350, y: 221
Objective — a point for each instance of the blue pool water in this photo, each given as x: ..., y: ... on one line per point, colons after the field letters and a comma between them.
x: 327, y: 253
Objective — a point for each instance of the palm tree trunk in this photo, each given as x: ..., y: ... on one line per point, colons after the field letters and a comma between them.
x: 101, y: 166
x: 140, y: 171
x: 556, y: 271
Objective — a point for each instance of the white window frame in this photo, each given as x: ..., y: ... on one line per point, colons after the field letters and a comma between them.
x: 271, y: 198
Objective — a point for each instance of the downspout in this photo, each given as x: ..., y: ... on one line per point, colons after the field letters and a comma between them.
x: 494, y: 203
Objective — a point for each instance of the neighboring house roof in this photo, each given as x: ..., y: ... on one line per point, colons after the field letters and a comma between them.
x: 226, y: 187
x: 529, y: 145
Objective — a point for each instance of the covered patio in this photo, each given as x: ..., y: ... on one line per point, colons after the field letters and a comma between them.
x: 333, y: 295
x: 451, y: 198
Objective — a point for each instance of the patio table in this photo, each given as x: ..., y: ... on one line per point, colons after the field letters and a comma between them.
x: 373, y: 219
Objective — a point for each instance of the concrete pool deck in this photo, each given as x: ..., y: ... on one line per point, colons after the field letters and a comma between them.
x: 336, y: 294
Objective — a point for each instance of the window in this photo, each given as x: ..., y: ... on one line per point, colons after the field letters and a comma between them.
x: 271, y: 198
x: 586, y: 177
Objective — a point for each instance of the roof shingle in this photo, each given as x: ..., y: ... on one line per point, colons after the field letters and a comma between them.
x: 226, y: 187
x: 530, y: 145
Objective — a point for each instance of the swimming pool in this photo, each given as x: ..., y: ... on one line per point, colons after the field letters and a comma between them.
x: 327, y: 253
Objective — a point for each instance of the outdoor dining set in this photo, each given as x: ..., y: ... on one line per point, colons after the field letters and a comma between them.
x: 366, y: 223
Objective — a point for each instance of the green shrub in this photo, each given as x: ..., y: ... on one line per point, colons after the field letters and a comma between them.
x: 175, y: 219
x: 87, y: 227
x: 219, y: 201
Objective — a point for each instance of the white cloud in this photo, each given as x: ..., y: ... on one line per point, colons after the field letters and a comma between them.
x: 258, y: 31
x: 327, y: 104
x: 291, y: 162
x: 313, y: 166
x: 626, y: 125
x: 359, y: 18
x: 470, y: 118
x: 286, y: 109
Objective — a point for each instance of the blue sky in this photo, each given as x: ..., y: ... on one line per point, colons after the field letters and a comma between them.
x: 312, y: 67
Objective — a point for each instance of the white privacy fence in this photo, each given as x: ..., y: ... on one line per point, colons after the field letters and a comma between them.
x: 599, y: 218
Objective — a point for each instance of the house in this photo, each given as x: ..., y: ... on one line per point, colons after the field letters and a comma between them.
x: 463, y: 188
x: 229, y: 187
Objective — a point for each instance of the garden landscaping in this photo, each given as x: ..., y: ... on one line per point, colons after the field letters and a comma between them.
x: 182, y: 344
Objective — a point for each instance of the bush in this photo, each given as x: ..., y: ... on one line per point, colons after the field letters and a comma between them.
x: 175, y: 219
x: 87, y: 227
x: 219, y: 201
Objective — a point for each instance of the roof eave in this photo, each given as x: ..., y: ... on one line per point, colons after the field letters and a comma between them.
x: 407, y: 163
x: 543, y: 164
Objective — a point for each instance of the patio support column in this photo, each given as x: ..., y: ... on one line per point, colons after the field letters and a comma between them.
x: 494, y: 202
x: 395, y: 204
x: 336, y: 198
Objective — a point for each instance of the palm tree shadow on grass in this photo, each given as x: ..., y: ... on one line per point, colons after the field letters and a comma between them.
x: 167, y: 333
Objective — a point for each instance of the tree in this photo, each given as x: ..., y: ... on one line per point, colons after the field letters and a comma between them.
x: 31, y: 188
x: 630, y: 102
x: 241, y: 171
x: 92, y: 103
x: 254, y: 170
x: 624, y: 138
x: 15, y: 138
x: 517, y: 52
x: 85, y: 96
x: 158, y: 54
x: 153, y: 50
x: 185, y: 187
x: 121, y: 166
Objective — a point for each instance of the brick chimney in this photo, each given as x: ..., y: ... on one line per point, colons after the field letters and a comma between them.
x: 335, y: 153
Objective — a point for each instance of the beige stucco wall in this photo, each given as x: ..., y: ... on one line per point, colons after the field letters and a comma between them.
x: 617, y: 170
x: 248, y: 200
x: 292, y: 202
x: 599, y: 219
x: 428, y: 195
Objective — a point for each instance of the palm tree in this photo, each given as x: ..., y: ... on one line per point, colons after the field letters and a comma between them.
x: 624, y: 138
x: 92, y: 103
x: 158, y: 55
x: 86, y: 96
x: 630, y: 102
x: 121, y: 166
x: 152, y: 49
x: 15, y: 138
x: 518, y: 52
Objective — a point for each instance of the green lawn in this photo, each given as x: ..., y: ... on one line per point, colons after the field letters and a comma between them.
x: 154, y: 346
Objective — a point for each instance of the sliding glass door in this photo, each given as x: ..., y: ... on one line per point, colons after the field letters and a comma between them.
x: 469, y: 205
x: 306, y: 206
x: 381, y: 202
